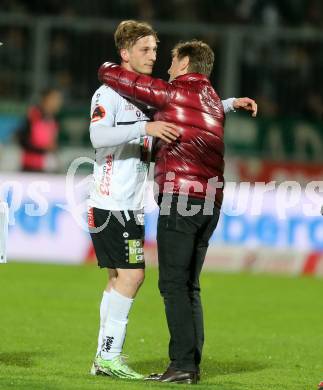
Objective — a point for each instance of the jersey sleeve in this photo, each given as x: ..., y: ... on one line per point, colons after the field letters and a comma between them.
x: 104, y: 107
x: 228, y: 105
x: 103, y: 132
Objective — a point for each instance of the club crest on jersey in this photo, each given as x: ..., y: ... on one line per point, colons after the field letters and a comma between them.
x: 98, y: 113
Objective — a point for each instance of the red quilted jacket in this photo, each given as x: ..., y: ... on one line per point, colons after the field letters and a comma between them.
x: 191, y: 103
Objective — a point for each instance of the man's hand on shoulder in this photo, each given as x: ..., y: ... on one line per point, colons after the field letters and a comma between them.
x: 246, y: 104
x: 164, y: 130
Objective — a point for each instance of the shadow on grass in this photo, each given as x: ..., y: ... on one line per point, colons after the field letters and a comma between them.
x: 149, y: 366
x: 210, y: 368
x: 19, y: 359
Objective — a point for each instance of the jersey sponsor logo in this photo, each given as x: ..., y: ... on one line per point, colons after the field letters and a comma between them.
x: 136, y: 251
x: 98, y: 113
x: 106, y: 176
x: 90, y: 218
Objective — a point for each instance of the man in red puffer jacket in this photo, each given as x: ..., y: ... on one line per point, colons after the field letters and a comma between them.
x: 189, y: 174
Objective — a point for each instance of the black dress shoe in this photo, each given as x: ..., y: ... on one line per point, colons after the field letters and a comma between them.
x: 153, y: 377
x: 178, y: 376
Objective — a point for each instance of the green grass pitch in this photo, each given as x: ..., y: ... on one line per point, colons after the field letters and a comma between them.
x: 262, y: 332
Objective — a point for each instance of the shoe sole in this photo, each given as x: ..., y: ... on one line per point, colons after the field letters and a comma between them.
x: 183, y: 381
x: 96, y: 371
x: 105, y: 372
x: 102, y: 371
x: 186, y: 381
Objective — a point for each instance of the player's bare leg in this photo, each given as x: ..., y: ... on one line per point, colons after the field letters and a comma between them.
x: 122, y: 287
x: 128, y: 281
x: 122, y: 290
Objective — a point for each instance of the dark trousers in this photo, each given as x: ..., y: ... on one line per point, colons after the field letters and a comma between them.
x: 182, y: 244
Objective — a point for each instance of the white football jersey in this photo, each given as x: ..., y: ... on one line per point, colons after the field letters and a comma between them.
x: 120, y: 171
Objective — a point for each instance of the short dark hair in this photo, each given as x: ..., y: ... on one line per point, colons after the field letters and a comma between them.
x: 129, y: 31
x: 200, y: 55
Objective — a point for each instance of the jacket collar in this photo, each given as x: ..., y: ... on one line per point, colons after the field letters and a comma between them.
x: 191, y: 77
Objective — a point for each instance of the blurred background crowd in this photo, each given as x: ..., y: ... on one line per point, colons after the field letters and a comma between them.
x: 271, y: 12
x: 269, y: 50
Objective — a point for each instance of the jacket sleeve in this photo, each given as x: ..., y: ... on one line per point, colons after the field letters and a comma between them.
x: 144, y: 89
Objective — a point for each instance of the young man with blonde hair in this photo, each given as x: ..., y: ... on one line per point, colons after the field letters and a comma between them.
x: 119, y: 132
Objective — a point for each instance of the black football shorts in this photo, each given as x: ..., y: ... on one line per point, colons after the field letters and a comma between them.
x: 118, y: 237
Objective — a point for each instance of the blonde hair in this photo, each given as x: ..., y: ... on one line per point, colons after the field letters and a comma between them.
x: 129, y: 31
